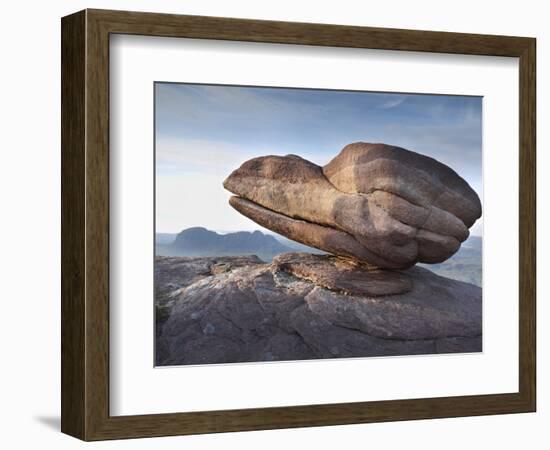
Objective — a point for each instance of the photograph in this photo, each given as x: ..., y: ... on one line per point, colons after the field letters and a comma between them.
x: 301, y: 224
x: 236, y: 225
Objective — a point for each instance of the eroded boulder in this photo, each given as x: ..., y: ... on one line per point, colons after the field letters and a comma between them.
x: 383, y: 205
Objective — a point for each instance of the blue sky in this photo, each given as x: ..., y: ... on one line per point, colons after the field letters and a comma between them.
x: 203, y: 132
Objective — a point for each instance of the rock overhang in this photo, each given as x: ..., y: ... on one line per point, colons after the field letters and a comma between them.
x: 382, y: 205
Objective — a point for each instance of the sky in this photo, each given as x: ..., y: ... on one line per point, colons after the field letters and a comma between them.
x: 204, y: 132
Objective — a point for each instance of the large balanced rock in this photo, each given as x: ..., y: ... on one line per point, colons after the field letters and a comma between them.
x: 383, y: 205
x: 285, y: 311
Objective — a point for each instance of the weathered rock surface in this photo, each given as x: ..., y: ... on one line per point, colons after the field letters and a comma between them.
x: 322, y: 237
x: 285, y: 311
x: 344, y: 275
x: 174, y: 273
x: 383, y: 205
x: 419, y: 179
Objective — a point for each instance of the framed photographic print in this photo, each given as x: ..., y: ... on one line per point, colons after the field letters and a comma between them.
x: 271, y: 224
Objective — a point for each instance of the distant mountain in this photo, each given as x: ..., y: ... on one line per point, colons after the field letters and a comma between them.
x: 199, y: 241
x: 464, y: 265
x: 165, y: 238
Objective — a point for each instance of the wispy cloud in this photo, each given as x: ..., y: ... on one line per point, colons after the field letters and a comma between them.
x: 177, y: 156
x: 174, y: 155
x: 392, y: 103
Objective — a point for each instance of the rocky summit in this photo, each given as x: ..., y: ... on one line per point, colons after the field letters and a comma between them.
x: 377, y: 210
x: 303, y: 306
x: 379, y: 204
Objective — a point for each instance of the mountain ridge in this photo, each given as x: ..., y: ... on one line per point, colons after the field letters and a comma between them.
x: 199, y: 241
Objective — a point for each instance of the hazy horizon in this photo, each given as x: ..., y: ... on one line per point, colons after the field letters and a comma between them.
x: 259, y: 228
x: 204, y: 132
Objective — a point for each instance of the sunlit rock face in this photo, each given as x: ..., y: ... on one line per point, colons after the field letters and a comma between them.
x: 384, y: 206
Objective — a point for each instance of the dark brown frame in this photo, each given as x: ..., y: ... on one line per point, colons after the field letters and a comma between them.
x: 85, y: 224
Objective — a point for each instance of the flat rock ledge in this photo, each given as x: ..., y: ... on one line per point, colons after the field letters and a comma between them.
x: 303, y: 306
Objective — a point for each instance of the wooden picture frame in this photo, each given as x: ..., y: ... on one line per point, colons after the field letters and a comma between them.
x: 85, y: 224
